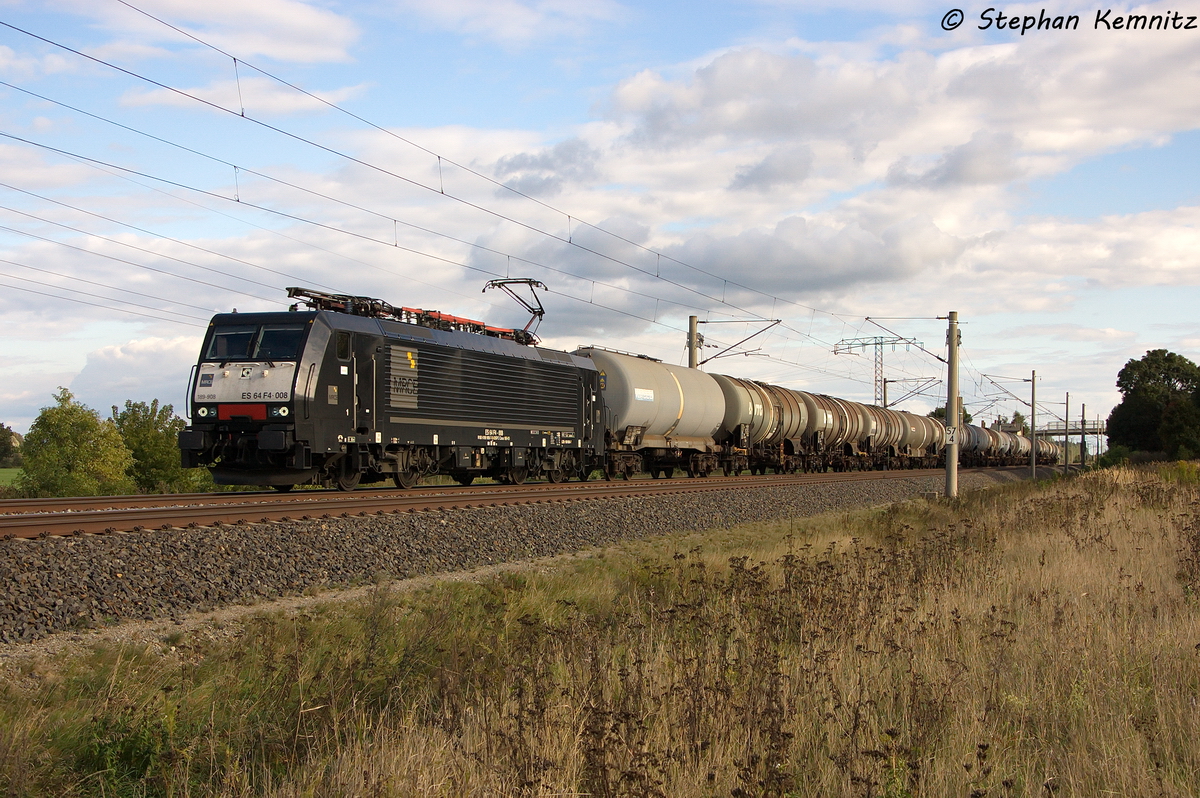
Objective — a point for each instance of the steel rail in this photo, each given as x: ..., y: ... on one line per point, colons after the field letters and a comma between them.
x: 313, y: 505
x: 137, y: 501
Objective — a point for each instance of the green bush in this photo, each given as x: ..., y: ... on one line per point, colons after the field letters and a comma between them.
x: 70, y: 451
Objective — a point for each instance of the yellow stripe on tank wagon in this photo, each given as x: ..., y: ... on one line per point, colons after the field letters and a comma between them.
x: 680, y: 416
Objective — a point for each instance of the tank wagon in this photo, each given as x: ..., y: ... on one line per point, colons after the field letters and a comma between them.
x: 352, y: 389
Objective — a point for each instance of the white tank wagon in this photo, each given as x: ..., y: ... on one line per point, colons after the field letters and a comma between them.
x: 890, y: 429
x: 751, y: 417
x: 659, y: 416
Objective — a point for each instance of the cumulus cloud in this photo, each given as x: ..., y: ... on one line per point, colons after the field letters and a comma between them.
x: 785, y: 166
x: 544, y: 173
x: 139, y: 370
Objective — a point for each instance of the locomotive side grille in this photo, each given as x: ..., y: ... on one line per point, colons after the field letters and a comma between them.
x: 463, y: 385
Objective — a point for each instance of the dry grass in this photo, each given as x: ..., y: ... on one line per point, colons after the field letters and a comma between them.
x: 1030, y: 641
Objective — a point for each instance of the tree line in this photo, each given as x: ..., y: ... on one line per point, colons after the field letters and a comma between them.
x: 71, y: 451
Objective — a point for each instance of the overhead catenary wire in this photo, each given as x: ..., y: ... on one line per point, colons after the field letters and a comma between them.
x: 135, y: 264
x: 172, y: 320
x: 343, y: 231
x: 441, y: 158
x: 79, y: 279
x: 496, y: 214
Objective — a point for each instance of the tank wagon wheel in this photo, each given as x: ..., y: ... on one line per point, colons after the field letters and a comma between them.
x: 627, y: 472
x: 283, y: 488
x: 556, y: 476
x: 405, y: 479
x: 585, y: 474
x: 516, y: 476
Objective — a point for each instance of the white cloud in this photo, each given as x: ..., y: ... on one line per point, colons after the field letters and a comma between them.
x: 255, y: 96
x: 138, y: 370
x: 515, y: 23
x: 284, y: 30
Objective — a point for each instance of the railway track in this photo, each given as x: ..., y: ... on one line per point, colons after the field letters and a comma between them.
x: 94, y: 515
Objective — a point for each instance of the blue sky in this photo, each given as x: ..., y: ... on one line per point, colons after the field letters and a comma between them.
x: 818, y: 163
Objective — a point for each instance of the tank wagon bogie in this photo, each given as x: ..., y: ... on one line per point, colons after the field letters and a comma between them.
x: 354, y: 390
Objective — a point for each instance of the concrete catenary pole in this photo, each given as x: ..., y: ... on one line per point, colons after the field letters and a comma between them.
x: 953, y: 408
x: 1082, y: 436
x: 1066, y: 433
x: 692, y: 342
x: 1033, y: 425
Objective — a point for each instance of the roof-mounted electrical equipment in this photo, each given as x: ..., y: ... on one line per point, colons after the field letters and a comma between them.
x: 378, y: 309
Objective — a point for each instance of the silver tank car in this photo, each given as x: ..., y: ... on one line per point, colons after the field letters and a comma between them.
x: 661, y: 416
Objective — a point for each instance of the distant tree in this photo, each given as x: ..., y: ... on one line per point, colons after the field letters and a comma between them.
x: 940, y: 414
x: 150, y: 432
x: 1159, y: 411
x: 1160, y: 375
x: 1019, y: 420
x: 10, y: 454
x: 70, y: 451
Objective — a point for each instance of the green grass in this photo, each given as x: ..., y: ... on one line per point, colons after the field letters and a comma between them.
x: 7, y: 475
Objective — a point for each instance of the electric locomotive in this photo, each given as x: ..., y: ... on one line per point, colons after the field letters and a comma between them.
x: 352, y: 389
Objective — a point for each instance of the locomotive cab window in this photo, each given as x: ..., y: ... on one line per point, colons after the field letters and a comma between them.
x: 232, y: 343
x: 256, y: 342
x: 343, y: 346
x: 280, y: 342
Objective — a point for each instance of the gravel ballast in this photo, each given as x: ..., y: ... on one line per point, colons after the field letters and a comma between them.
x: 57, y: 584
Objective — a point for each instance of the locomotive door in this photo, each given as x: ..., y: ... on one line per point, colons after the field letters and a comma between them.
x: 363, y: 367
x: 339, y: 387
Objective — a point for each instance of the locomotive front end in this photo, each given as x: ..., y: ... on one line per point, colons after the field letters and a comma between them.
x: 243, y: 400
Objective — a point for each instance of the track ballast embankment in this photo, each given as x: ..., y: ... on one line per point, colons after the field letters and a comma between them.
x: 59, y: 583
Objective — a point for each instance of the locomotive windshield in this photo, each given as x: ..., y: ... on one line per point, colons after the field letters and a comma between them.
x: 256, y: 342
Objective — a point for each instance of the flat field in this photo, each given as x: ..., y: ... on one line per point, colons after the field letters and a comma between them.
x: 7, y: 475
x: 1030, y: 640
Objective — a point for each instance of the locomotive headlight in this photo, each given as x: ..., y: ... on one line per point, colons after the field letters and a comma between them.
x: 202, y: 411
x: 283, y: 411
x: 278, y: 412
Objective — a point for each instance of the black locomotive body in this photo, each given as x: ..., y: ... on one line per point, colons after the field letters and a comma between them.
x: 351, y: 392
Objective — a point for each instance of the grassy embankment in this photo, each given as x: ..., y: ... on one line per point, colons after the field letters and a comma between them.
x: 1030, y: 641
x: 7, y: 475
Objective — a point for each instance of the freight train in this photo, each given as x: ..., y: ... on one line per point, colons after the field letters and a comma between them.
x: 353, y: 390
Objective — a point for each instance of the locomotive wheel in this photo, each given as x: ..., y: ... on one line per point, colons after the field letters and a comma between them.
x: 556, y: 476
x: 348, y: 481
x: 405, y: 479
x: 516, y: 476
x: 464, y: 479
x: 283, y: 488
x: 585, y: 474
